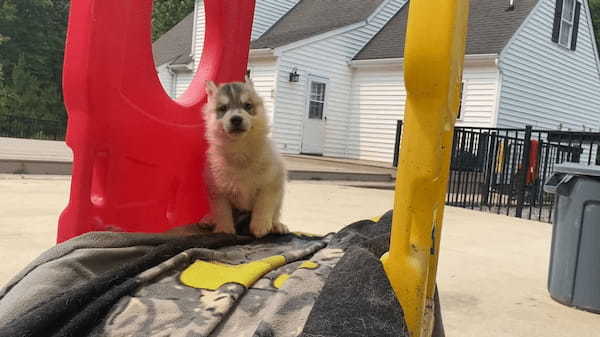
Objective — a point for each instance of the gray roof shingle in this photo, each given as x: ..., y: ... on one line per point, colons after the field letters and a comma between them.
x: 175, y: 46
x: 491, y: 25
x: 311, y: 17
x: 306, y: 19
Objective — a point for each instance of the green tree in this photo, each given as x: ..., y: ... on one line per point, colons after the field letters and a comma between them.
x: 26, y: 96
x: 167, y: 13
x: 3, y: 92
x: 8, y: 12
x: 595, y: 9
x: 33, y: 35
x: 32, y: 41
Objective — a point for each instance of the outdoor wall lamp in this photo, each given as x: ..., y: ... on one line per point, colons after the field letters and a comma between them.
x: 294, y: 76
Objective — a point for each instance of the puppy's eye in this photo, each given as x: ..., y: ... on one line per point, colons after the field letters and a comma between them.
x: 222, y: 109
x: 248, y: 106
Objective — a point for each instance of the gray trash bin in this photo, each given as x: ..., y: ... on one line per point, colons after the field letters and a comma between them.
x: 574, y: 275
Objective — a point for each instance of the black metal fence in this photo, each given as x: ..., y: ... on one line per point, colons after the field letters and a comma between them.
x: 504, y: 170
x: 24, y: 127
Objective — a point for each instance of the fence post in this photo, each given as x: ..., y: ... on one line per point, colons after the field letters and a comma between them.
x: 490, y: 168
x: 397, y: 143
x: 525, y: 168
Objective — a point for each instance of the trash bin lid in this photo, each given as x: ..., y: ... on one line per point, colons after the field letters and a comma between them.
x: 578, y: 169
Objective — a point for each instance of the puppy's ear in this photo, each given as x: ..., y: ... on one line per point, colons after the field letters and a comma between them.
x: 211, y: 88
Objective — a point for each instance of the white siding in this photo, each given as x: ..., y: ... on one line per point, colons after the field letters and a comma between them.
x: 328, y: 58
x: 182, y: 82
x: 263, y: 76
x: 378, y: 101
x: 545, y: 84
x: 200, y: 23
x: 378, y: 98
x: 266, y: 14
x: 480, y: 96
x: 166, y: 79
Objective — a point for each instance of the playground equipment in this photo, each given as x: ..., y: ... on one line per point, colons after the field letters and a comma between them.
x: 138, y: 155
x: 433, y: 63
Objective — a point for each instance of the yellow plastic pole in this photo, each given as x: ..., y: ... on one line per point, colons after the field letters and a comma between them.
x: 433, y: 63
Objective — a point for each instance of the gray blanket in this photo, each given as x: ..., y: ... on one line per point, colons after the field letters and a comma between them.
x: 123, y: 284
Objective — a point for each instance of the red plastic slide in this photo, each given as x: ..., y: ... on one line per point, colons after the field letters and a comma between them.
x: 138, y: 154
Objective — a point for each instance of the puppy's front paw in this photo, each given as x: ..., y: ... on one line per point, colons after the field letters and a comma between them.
x: 280, y: 228
x: 260, y: 228
x: 225, y: 229
x: 208, y: 219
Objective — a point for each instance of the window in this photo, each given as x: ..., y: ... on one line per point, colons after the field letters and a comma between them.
x: 316, y: 103
x: 566, y: 23
x: 460, y: 100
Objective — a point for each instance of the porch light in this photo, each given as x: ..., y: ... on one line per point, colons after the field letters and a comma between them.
x: 294, y: 76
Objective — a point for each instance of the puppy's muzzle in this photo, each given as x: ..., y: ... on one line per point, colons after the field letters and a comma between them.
x: 236, y: 125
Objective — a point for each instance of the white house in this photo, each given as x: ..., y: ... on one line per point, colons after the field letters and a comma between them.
x: 331, y: 71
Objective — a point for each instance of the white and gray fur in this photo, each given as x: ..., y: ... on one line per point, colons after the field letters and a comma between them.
x: 245, y: 171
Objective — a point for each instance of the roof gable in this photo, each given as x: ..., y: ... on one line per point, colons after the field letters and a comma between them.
x: 491, y: 25
x: 312, y: 17
x: 176, y: 44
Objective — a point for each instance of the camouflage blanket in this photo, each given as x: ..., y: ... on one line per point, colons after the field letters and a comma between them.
x: 123, y: 284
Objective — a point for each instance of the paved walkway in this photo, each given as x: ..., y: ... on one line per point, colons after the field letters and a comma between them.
x: 34, y: 150
x: 492, y: 275
x: 328, y: 164
x: 36, y: 156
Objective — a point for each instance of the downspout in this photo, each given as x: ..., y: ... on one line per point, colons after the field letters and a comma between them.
x: 498, y: 64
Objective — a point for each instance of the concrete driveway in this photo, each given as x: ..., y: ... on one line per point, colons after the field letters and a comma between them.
x: 492, y: 275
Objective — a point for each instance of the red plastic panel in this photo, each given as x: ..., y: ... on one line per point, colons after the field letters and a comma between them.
x: 138, y: 154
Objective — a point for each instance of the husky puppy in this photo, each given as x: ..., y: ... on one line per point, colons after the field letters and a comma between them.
x: 244, y: 171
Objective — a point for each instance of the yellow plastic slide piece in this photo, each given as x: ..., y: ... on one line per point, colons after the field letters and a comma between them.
x: 213, y: 275
x: 433, y: 63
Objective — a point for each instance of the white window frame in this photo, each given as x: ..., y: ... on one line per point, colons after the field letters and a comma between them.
x: 564, y: 21
x: 316, y: 79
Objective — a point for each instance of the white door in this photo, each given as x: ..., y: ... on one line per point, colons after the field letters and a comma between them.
x: 313, y: 131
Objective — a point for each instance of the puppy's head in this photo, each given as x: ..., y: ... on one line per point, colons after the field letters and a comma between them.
x: 234, y: 110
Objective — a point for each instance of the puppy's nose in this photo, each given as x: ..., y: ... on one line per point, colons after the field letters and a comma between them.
x: 236, y: 121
